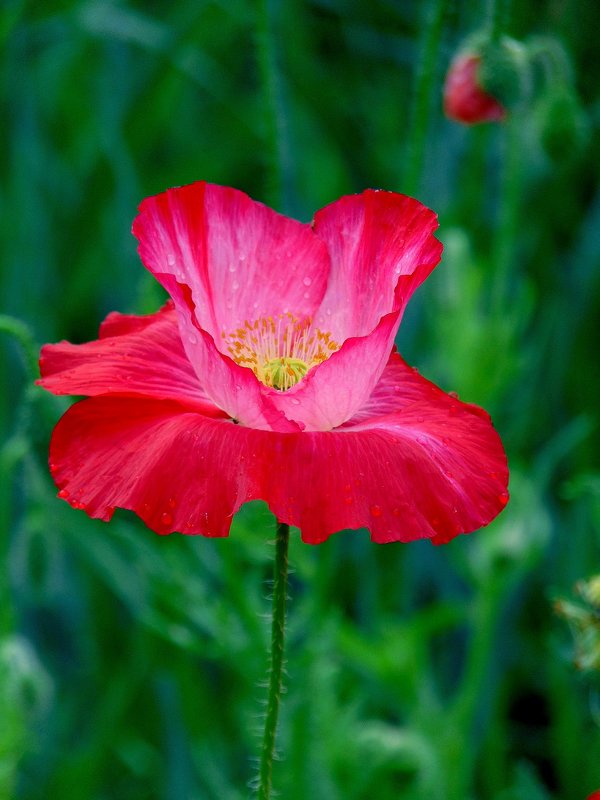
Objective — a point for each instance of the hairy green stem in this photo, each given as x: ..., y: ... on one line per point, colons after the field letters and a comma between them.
x: 276, y: 666
x: 422, y: 96
x: 274, y: 117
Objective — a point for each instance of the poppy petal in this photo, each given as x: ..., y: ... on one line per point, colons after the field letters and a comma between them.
x: 455, y: 470
x: 382, y: 247
x: 240, y: 259
x: 136, y: 355
x: 433, y: 468
x: 158, y: 459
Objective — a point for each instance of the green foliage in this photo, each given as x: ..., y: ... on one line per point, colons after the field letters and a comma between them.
x: 130, y: 664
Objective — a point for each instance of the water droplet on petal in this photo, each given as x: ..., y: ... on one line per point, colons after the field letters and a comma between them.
x: 63, y: 493
x: 376, y: 510
x: 235, y: 286
x: 348, y: 501
x: 396, y: 512
x: 503, y: 498
x: 233, y: 267
x: 192, y: 339
x: 171, y: 503
x: 420, y: 419
x: 307, y: 281
x: 295, y: 401
x: 170, y: 259
x: 166, y: 518
x: 453, y: 394
x: 306, y: 295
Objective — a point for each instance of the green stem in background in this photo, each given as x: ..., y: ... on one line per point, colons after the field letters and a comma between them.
x: 277, y: 155
x: 495, y: 19
x: 422, y: 96
x: 21, y: 333
x: 509, y: 208
x: 280, y: 573
x: 463, y: 743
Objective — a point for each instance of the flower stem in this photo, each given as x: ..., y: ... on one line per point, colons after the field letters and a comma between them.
x: 276, y: 667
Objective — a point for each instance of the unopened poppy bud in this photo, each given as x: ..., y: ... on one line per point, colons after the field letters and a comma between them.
x: 465, y: 99
x: 485, y: 80
x: 505, y: 71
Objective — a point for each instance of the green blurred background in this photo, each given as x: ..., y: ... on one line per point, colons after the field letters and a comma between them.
x: 130, y: 665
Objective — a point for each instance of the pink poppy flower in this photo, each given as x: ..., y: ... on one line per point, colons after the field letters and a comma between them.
x: 272, y: 374
x: 465, y: 99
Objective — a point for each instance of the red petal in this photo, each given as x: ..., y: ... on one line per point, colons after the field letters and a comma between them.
x: 431, y: 467
x: 241, y: 260
x: 458, y: 476
x: 151, y: 457
x: 117, y: 324
x: 382, y: 247
x: 134, y: 356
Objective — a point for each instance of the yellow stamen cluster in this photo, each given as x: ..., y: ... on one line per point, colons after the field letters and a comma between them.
x: 281, y: 350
